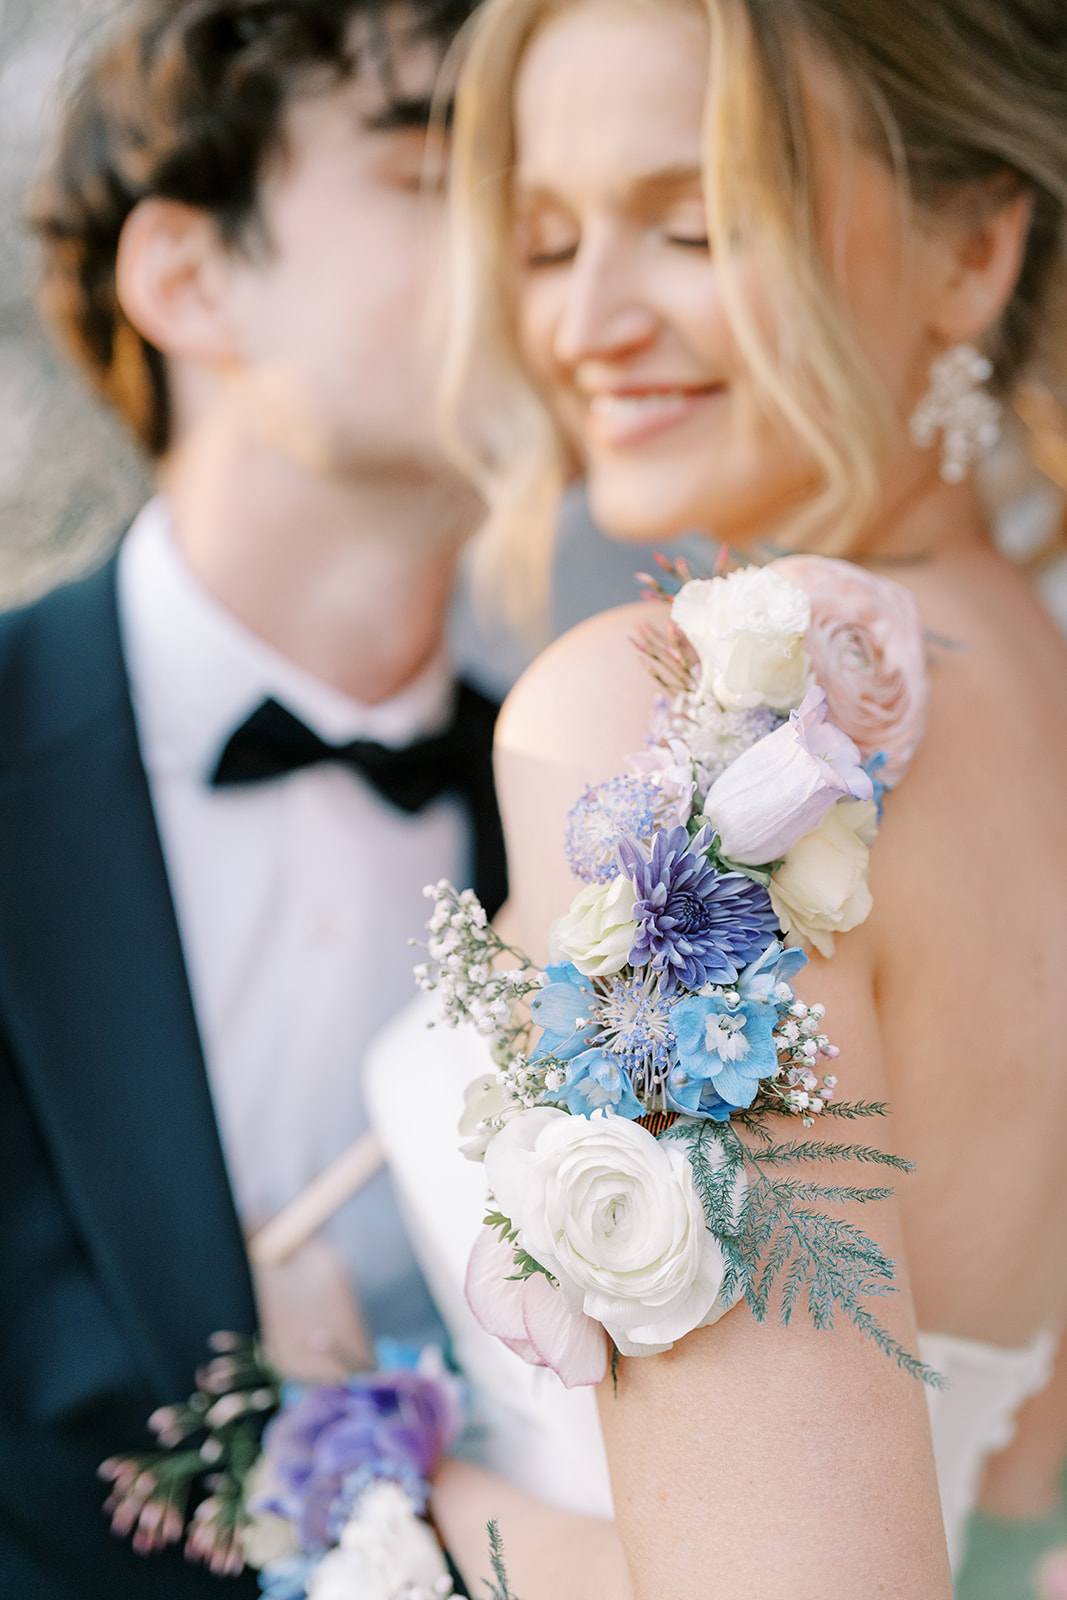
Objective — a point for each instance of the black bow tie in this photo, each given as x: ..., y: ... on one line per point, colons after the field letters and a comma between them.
x: 459, y: 761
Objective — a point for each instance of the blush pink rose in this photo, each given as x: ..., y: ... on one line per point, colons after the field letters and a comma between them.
x: 866, y: 647
x: 528, y: 1315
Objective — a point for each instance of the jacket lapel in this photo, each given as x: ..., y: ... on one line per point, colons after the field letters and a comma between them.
x: 93, y: 989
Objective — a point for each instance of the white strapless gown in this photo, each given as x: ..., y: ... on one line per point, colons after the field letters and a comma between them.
x: 539, y: 1435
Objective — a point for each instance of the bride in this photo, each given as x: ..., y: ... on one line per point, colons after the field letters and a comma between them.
x: 735, y: 261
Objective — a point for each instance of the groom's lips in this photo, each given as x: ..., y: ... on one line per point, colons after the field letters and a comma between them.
x: 638, y: 412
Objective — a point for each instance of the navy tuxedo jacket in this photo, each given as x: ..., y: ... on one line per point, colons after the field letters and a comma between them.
x: 120, y: 1251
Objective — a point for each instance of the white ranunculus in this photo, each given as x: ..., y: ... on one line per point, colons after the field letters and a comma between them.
x: 487, y: 1106
x: 385, y: 1551
x: 615, y: 1217
x: 748, y: 630
x: 598, y: 930
x: 821, y: 887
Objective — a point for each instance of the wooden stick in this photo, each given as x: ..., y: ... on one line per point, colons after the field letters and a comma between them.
x: 283, y: 1235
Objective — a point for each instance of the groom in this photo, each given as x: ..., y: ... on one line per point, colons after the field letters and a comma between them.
x: 232, y: 757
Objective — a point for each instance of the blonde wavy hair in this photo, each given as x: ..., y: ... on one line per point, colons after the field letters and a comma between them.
x: 963, y: 99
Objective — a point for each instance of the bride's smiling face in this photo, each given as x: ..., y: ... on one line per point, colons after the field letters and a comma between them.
x: 621, y: 313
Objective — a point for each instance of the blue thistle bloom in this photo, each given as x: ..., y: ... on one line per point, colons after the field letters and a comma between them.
x: 606, y: 813
x: 635, y: 1022
x: 694, y: 925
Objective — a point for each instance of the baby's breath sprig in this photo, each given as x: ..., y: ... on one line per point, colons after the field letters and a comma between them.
x: 465, y: 971
x: 801, y: 1044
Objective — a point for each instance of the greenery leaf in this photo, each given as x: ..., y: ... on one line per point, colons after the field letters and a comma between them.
x: 786, y: 1244
x: 501, y: 1589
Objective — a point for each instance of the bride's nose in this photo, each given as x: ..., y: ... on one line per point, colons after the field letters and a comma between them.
x: 604, y: 313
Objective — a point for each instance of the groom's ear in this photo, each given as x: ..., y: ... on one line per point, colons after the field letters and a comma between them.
x: 172, y: 275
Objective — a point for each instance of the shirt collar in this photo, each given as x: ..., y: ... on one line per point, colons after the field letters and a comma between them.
x: 196, y: 672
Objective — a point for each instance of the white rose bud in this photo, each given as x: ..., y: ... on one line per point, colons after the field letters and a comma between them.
x: 821, y: 887
x: 484, y: 1100
x: 748, y: 630
x: 598, y: 930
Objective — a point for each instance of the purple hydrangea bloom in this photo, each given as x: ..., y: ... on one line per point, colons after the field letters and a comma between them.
x: 695, y: 925
x: 395, y: 1422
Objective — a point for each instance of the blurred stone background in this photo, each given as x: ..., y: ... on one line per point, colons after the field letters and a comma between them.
x: 69, y: 478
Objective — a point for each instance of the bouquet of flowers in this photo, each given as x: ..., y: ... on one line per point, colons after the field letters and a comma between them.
x: 321, y: 1488
x: 639, y: 1188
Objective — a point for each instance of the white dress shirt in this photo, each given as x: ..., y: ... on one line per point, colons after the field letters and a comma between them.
x: 295, y: 900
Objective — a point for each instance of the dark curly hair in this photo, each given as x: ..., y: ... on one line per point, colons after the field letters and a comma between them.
x: 185, y: 101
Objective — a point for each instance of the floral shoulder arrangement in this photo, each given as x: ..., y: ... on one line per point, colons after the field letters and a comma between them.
x: 640, y: 1183
x: 320, y: 1488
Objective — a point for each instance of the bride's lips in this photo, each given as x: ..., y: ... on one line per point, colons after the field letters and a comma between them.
x: 629, y: 416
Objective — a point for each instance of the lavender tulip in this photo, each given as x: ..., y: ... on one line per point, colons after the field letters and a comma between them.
x: 780, y: 788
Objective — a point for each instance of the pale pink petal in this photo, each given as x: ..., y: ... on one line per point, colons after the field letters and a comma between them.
x: 868, y: 648
x: 572, y: 1344
x: 496, y: 1297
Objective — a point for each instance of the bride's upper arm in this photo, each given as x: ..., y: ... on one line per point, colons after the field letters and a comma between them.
x: 749, y: 1460
x: 569, y: 722
x: 753, y: 1459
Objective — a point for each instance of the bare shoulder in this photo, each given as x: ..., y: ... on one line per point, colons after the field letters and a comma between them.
x: 568, y: 723
x: 986, y: 786
x: 586, y: 695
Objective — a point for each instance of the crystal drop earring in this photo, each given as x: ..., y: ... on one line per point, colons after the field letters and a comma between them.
x: 957, y: 406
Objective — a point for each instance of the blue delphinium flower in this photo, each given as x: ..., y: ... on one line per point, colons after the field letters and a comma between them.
x: 288, y: 1579
x: 776, y: 965
x: 729, y: 1045
x: 606, y: 813
x: 872, y: 767
x: 695, y: 925
x: 568, y: 998
x: 695, y: 1097
x: 597, y: 1081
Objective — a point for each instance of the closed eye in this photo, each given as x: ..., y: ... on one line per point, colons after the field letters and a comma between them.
x: 557, y: 257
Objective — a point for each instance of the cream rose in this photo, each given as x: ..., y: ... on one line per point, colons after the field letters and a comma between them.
x: 867, y: 647
x: 598, y: 930
x: 614, y: 1216
x: 748, y: 630
x: 821, y: 887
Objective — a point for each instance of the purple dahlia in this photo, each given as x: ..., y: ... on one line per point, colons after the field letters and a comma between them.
x: 694, y: 925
